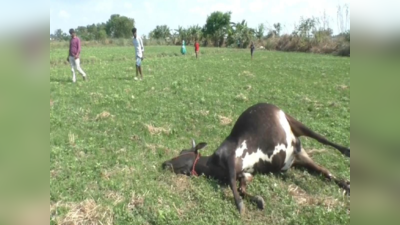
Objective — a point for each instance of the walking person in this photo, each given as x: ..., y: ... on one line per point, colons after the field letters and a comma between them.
x: 252, y: 49
x: 74, y: 54
x: 183, y: 48
x: 139, y: 49
x: 196, y: 48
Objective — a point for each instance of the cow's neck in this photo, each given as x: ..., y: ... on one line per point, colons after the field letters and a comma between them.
x: 209, y: 169
x: 201, y: 166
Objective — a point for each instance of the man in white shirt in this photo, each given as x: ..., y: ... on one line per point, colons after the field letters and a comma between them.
x: 139, y: 48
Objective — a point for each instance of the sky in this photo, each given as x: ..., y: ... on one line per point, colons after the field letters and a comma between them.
x: 173, y: 13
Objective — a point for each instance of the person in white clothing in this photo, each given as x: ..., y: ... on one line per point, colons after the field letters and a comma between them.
x: 139, y: 48
x: 74, y: 54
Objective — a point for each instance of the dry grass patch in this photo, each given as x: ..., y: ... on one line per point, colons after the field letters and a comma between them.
x: 343, y: 87
x: 157, y: 130
x: 71, y: 138
x: 116, y: 197
x: 117, y: 170
x: 304, y: 199
x: 241, y: 97
x: 223, y: 120
x: 204, y: 112
x: 136, y: 201
x: 313, y: 151
x: 247, y: 74
x: 333, y: 104
x: 86, y: 212
x: 153, y: 147
x: 103, y: 115
x: 181, y: 183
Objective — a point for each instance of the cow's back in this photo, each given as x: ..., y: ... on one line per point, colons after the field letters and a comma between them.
x: 264, y: 140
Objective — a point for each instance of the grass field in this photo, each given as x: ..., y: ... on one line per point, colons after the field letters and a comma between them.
x: 109, y: 136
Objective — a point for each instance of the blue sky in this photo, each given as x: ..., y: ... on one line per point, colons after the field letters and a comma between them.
x: 150, y: 13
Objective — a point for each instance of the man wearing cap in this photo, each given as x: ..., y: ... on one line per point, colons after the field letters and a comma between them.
x: 73, y: 55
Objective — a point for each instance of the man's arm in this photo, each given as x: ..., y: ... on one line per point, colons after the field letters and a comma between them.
x: 79, y: 49
x: 68, y: 51
x: 142, y: 45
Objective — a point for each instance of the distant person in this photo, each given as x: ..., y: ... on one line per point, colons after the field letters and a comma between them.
x: 252, y: 49
x: 183, y: 48
x: 139, y: 48
x: 196, y: 48
x: 73, y: 55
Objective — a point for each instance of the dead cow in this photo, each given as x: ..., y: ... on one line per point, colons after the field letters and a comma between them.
x: 264, y: 139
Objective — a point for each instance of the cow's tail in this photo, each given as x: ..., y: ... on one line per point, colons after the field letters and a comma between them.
x: 300, y: 129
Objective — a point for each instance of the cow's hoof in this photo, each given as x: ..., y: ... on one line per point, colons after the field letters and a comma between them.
x: 241, y: 208
x: 260, y: 202
x: 346, y: 152
x: 347, y: 187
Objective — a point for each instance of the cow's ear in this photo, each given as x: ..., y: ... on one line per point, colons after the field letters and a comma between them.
x: 200, y: 146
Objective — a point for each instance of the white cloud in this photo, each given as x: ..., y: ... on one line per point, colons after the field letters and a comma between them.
x: 104, y: 6
x: 63, y: 14
x: 257, y: 6
x: 127, y: 5
x: 149, y: 7
x: 236, y: 7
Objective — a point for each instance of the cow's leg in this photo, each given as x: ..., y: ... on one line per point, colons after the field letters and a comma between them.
x: 243, y: 179
x: 303, y: 159
x: 232, y: 183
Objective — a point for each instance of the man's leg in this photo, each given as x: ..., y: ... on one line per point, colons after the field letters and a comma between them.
x: 137, y: 70
x: 140, y: 71
x: 139, y: 63
x: 78, y: 67
x: 72, y: 63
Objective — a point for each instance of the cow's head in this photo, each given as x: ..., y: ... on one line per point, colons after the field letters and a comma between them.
x: 184, y: 163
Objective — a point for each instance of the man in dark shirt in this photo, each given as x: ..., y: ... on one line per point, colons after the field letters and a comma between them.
x: 73, y: 55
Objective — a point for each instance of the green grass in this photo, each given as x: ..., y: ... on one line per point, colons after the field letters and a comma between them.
x: 105, y: 160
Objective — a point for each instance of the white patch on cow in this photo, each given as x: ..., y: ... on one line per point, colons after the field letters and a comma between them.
x: 250, y: 159
x: 290, y: 138
x: 248, y: 177
x: 242, y: 147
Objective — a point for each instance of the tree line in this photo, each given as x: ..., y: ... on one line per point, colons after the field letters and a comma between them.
x: 116, y: 27
x: 219, y: 30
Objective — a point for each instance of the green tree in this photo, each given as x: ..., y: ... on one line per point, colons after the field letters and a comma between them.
x: 194, y: 33
x: 182, y: 34
x: 306, y: 28
x: 82, y: 32
x: 119, y: 26
x: 59, y: 35
x: 160, y: 32
x: 278, y: 28
x: 242, y: 33
x: 260, y: 31
x: 217, y: 26
x: 101, y: 35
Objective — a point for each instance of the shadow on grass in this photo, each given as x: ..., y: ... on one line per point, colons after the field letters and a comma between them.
x: 130, y: 78
x: 61, y: 80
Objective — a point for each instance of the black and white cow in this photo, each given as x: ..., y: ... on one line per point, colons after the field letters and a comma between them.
x: 264, y: 139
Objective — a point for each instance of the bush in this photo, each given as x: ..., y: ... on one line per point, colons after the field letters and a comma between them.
x: 343, y: 50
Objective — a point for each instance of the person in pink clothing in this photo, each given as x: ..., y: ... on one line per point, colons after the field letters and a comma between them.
x: 73, y: 55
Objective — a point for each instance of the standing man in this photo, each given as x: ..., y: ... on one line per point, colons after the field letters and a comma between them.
x: 73, y: 55
x: 252, y: 49
x: 196, y: 47
x: 139, y: 48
